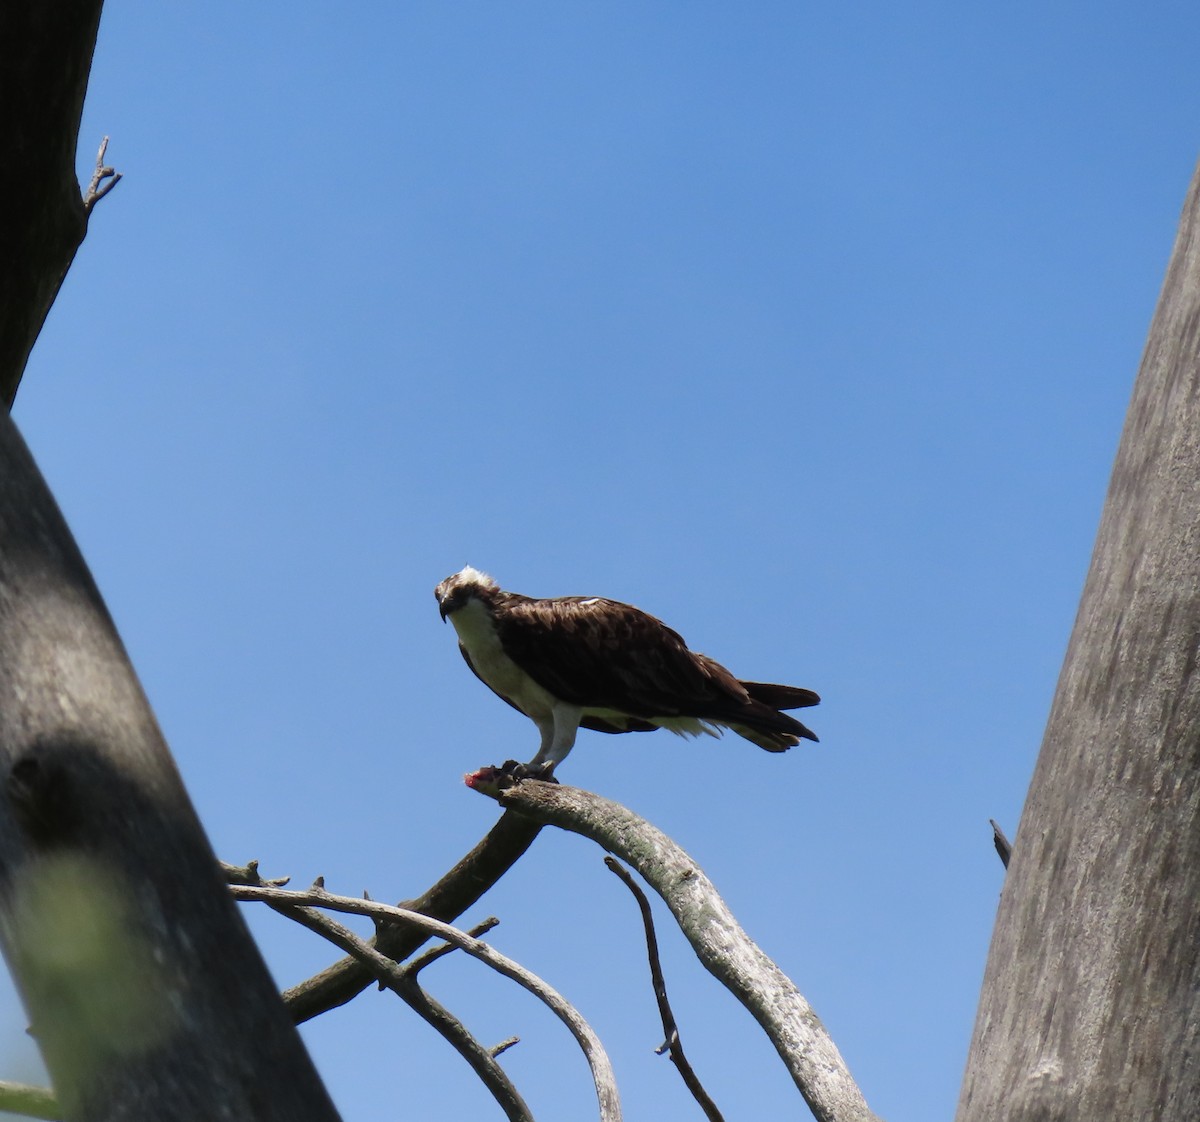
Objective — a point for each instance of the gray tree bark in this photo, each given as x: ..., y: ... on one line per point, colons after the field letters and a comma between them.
x: 1090, y: 1006
x: 145, y: 992
x: 723, y: 948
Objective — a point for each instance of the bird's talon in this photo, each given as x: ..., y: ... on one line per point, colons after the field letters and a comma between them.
x: 510, y: 773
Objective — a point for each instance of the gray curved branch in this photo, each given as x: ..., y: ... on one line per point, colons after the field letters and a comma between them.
x: 725, y: 950
x: 402, y: 981
x: 589, y: 1042
x: 446, y: 900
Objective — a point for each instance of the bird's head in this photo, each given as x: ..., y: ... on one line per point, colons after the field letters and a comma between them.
x: 456, y: 590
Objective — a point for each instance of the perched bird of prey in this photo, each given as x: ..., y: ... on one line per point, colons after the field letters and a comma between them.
x: 583, y: 660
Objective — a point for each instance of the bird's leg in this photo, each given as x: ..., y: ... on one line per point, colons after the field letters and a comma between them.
x: 558, y: 738
x: 545, y: 750
x: 542, y: 765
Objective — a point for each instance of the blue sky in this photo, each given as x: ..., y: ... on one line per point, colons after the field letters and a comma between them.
x: 809, y: 330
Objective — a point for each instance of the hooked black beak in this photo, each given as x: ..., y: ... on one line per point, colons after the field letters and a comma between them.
x: 449, y: 599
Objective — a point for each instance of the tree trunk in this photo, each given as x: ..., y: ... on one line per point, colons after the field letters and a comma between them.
x: 1091, y: 999
x: 45, y: 58
x: 146, y: 994
x: 145, y: 991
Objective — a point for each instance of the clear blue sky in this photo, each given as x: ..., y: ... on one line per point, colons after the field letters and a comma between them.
x: 809, y: 329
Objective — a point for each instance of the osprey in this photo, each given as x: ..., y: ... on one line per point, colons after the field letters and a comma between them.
x: 583, y: 660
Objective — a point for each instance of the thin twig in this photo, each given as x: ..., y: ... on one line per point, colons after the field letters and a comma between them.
x: 104, y: 179
x: 672, y: 1044
x: 452, y: 1030
x: 434, y: 953
x: 1002, y: 844
x: 407, y: 987
x: 444, y: 1022
x: 33, y: 1102
x: 593, y: 1050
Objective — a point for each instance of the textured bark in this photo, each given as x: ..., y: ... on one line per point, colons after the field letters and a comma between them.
x: 45, y: 58
x: 1091, y: 998
x: 724, y: 949
x: 145, y: 992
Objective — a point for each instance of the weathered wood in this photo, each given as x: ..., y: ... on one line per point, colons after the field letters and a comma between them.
x: 302, y: 906
x: 1091, y: 1000
x: 146, y: 994
x: 45, y: 57
x: 723, y: 948
x: 446, y: 900
x: 145, y: 991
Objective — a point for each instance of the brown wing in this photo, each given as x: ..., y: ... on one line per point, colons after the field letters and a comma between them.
x: 605, y: 654
x: 599, y: 724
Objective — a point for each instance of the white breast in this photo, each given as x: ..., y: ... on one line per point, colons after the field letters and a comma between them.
x: 477, y: 633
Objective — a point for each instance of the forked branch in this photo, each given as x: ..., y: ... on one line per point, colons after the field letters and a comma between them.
x: 482, y: 1060
x: 304, y: 903
x: 446, y: 900
x: 104, y: 179
x: 402, y: 980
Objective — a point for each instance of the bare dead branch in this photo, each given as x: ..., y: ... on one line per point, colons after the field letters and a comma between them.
x: 32, y: 1102
x: 589, y: 1043
x: 249, y: 874
x: 804, y: 1045
x: 672, y: 1044
x: 104, y: 179
x: 434, y: 953
x: 1002, y: 844
x: 400, y: 980
x: 446, y: 900
x: 450, y: 1028
x: 482, y: 1060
